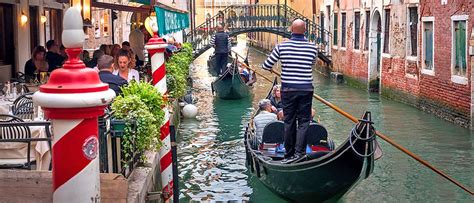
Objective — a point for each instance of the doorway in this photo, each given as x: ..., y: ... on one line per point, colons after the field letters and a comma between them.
x: 375, y: 53
x: 7, y: 49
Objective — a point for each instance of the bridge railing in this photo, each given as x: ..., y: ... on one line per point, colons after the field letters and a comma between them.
x: 271, y: 18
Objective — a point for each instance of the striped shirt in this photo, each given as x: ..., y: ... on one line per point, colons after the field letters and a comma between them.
x: 297, y: 57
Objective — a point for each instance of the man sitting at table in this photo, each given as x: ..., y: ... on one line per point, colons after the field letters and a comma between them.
x: 263, y: 118
x: 105, y: 74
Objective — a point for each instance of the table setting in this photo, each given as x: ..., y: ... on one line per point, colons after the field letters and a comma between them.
x: 12, y: 153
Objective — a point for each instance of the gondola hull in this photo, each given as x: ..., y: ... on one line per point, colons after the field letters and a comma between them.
x: 230, y: 86
x: 327, y: 178
x: 211, y: 64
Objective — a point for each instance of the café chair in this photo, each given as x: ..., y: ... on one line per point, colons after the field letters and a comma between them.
x: 14, y: 129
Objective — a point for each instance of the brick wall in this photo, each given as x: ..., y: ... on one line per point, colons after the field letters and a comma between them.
x: 402, y: 76
x: 440, y: 88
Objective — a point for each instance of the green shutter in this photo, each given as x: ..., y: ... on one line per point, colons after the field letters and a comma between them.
x: 460, y: 52
x: 429, y: 46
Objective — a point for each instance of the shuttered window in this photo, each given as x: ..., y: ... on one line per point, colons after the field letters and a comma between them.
x: 460, y: 47
x: 356, y: 30
x: 413, y: 30
x: 386, y: 41
x: 343, y: 30
x: 367, y: 30
x: 334, y: 34
x: 428, y: 45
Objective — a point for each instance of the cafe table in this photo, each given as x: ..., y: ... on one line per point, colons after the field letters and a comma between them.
x: 16, y: 152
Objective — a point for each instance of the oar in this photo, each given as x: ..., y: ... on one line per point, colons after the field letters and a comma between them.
x: 381, y: 135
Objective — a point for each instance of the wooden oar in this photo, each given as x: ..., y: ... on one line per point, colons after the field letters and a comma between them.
x: 381, y: 135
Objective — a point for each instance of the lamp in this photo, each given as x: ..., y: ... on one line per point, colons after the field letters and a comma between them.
x: 84, y: 6
x: 43, y: 19
x: 23, y: 18
x: 173, y: 4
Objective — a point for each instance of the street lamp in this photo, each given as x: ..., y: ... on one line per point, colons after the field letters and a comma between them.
x: 84, y: 6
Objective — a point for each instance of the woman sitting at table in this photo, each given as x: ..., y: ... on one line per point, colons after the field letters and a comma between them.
x: 124, y: 66
x: 36, y: 64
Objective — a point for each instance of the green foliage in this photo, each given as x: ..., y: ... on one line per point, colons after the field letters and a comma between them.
x: 139, y: 104
x: 177, y: 69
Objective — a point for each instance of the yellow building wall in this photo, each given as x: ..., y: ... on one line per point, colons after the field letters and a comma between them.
x: 305, y: 7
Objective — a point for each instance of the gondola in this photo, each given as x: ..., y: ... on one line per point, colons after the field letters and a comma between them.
x: 321, y: 175
x: 211, y: 64
x: 230, y: 84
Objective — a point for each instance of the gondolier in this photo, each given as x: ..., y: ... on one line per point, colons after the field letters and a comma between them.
x: 222, y: 45
x: 297, y: 56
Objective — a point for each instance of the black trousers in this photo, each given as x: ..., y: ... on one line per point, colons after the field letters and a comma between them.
x: 221, y: 62
x: 297, y: 112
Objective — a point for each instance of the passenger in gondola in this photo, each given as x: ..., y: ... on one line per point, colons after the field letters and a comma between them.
x: 244, y: 73
x: 275, y: 98
x: 263, y: 118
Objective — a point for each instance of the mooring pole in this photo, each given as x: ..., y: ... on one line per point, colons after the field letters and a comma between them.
x: 156, y: 49
x: 73, y: 99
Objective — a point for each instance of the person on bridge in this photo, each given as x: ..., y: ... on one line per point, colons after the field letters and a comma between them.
x: 297, y: 57
x: 222, y: 45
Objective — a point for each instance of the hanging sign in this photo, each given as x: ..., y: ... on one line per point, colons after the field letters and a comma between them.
x: 170, y: 21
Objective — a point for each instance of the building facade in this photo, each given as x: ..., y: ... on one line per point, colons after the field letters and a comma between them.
x: 24, y: 25
x: 415, y: 51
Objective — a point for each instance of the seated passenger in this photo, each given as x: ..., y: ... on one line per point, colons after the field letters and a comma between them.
x: 106, y: 76
x: 275, y: 99
x: 244, y: 73
x: 263, y: 118
x: 313, y: 114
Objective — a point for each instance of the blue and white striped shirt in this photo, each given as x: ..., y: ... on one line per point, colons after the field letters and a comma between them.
x: 297, y: 57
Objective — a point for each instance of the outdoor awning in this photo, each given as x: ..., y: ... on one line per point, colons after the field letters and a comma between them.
x: 121, y: 7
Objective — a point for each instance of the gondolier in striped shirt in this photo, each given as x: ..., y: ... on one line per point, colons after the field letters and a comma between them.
x: 222, y: 46
x: 297, y: 57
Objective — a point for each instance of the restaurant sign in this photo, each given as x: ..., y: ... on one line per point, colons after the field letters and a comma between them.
x: 170, y: 21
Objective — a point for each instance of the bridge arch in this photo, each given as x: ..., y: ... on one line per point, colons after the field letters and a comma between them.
x: 269, y: 18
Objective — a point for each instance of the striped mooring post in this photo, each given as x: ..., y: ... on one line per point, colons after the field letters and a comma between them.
x: 73, y: 99
x: 156, y: 50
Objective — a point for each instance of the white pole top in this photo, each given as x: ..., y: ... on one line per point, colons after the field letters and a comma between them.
x: 73, y: 33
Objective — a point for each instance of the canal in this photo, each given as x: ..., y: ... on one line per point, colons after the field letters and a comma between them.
x: 212, y: 160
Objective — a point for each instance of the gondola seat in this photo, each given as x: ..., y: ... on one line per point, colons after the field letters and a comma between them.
x: 274, y: 132
x: 317, y: 137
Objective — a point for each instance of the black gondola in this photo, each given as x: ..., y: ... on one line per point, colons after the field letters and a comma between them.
x: 320, y: 175
x: 211, y: 64
x: 230, y: 84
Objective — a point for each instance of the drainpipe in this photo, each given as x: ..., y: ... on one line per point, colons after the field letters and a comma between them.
x: 471, y: 53
x: 286, y: 10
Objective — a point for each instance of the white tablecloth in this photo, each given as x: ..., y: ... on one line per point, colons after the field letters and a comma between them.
x: 16, y: 152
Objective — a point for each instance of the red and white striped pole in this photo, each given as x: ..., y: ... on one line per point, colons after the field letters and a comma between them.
x: 156, y: 50
x: 73, y: 98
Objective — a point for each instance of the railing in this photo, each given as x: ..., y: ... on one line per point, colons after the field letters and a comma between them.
x: 111, y: 154
x: 273, y: 18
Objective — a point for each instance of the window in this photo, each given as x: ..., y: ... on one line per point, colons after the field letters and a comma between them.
x: 386, y: 41
x: 334, y: 34
x: 356, y: 30
x: 413, y: 31
x: 367, y: 30
x: 459, y: 48
x: 343, y: 30
x: 428, y: 44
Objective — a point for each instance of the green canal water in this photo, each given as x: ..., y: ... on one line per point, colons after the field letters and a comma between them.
x: 212, y: 160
